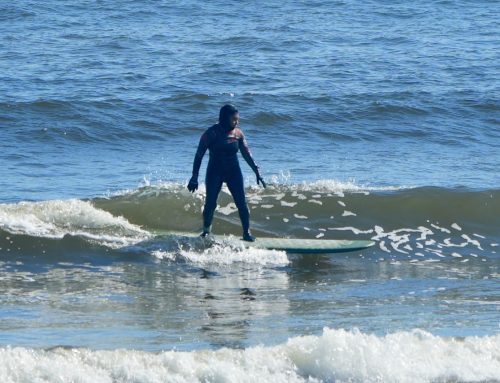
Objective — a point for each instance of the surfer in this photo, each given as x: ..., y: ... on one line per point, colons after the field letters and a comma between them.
x: 223, y: 140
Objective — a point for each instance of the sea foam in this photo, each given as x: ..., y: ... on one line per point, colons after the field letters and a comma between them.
x: 57, y: 218
x: 225, y: 254
x: 334, y: 356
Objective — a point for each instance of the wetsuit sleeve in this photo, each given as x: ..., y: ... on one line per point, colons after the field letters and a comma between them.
x: 200, y: 152
x: 245, y: 151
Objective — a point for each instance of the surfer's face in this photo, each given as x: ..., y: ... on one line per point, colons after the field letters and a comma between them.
x: 234, y: 120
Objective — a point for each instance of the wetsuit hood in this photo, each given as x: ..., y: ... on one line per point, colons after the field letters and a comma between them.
x: 225, y: 114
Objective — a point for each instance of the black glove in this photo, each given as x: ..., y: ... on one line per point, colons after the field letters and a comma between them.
x: 193, y: 184
x: 260, y: 180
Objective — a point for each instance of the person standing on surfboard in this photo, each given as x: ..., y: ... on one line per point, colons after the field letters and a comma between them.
x: 223, y: 140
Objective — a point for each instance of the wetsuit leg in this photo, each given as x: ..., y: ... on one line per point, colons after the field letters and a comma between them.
x: 237, y: 189
x: 213, y: 182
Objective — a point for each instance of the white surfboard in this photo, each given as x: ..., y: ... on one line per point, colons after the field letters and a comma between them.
x: 292, y: 245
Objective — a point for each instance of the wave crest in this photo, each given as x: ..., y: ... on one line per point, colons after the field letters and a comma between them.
x: 335, y: 356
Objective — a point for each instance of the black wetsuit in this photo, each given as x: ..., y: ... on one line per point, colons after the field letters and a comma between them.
x: 224, y: 166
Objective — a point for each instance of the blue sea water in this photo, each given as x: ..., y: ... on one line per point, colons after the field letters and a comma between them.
x: 370, y: 120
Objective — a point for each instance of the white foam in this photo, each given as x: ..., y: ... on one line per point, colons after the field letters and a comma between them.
x: 444, y: 230
x: 425, y: 232
x: 57, y: 218
x: 147, y: 189
x: 383, y: 247
x: 339, y: 187
x: 447, y: 243
x: 300, y: 216
x: 330, y: 186
x: 230, y: 208
x: 300, y: 196
x: 279, y: 196
x: 335, y: 356
x: 439, y: 253
x: 471, y: 241
x: 226, y: 254
x: 347, y: 213
x: 353, y: 229
x: 315, y: 201
x: 396, y: 248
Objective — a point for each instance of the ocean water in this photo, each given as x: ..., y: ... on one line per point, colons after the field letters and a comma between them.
x: 370, y: 120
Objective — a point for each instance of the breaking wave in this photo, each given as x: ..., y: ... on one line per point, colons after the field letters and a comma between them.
x: 422, y: 222
x: 334, y: 356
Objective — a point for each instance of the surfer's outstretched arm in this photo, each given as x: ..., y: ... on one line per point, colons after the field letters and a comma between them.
x: 200, y: 152
x: 247, y: 155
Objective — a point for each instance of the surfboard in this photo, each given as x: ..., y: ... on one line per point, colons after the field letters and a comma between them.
x: 291, y: 245
x: 309, y: 246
